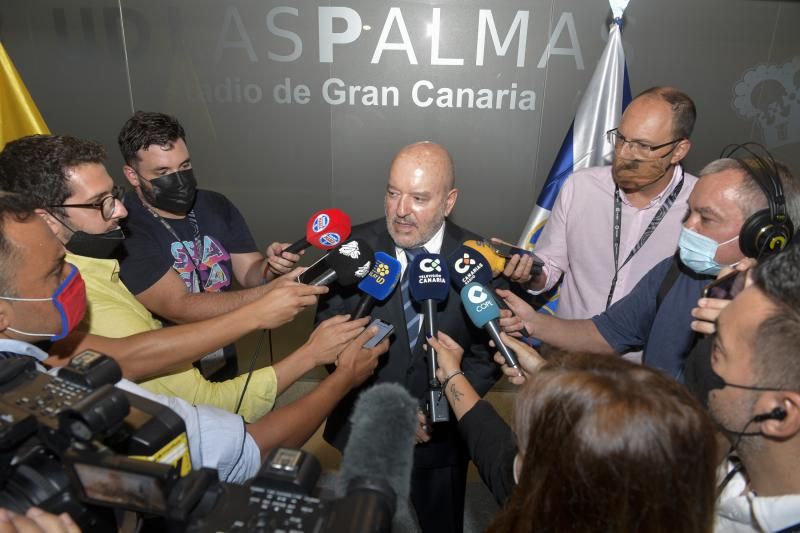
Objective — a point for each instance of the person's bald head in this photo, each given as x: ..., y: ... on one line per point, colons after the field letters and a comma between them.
x: 420, y: 193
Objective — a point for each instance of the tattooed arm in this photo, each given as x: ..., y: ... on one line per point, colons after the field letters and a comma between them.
x: 460, y: 393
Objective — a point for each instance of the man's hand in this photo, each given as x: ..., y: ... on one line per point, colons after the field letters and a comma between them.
x: 358, y: 363
x: 448, y: 353
x: 36, y: 521
x: 522, y: 314
x: 708, y: 309
x: 331, y: 336
x: 278, y: 261
x: 529, y: 360
x: 519, y: 269
x: 285, y: 300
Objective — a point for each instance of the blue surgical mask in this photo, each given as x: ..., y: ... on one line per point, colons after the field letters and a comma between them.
x: 698, y: 251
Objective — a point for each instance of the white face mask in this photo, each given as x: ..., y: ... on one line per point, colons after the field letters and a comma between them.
x: 698, y: 251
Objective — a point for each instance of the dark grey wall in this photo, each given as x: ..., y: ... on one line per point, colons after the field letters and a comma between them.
x: 215, y: 65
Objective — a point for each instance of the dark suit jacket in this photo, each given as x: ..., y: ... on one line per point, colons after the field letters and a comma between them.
x: 399, y: 365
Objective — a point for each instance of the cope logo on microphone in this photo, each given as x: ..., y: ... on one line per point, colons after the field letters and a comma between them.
x: 479, y: 297
x: 380, y: 272
x: 430, y: 265
x: 463, y: 264
x: 320, y: 223
x: 330, y: 239
x: 350, y: 249
x: 364, y: 269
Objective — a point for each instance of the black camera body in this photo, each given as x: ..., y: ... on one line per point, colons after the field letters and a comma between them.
x: 49, y: 422
x: 284, y: 496
x: 75, y: 443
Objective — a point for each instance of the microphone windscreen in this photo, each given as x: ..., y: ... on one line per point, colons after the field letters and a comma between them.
x: 428, y: 278
x: 479, y: 303
x: 497, y: 262
x: 351, y: 261
x: 382, y: 439
x: 467, y: 265
x: 326, y: 229
x: 383, y: 277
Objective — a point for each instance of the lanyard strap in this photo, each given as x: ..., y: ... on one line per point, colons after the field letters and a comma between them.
x: 196, y: 237
x: 643, y: 239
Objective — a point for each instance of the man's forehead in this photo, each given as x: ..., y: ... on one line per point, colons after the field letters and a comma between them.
x: 34, y: 240
x: 742, y: 317
x: 88, y: 179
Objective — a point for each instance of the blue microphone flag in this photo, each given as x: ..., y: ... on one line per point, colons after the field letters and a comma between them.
x: 428, y: 278
x: 480, y: 304
x: 467, y: 265
x: 383, y: 277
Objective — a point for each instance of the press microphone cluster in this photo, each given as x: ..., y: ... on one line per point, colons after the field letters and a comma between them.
x: 468, y: 265
x: 484, y: 312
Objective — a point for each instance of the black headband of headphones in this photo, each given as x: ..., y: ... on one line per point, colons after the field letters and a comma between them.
x: 761, y: 166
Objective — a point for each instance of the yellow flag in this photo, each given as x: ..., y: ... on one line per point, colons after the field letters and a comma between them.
x: 18, y: 113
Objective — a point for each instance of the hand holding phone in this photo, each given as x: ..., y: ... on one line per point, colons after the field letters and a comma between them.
x: 506, y: 249
x: 384, y: 330
x: 726, y: 287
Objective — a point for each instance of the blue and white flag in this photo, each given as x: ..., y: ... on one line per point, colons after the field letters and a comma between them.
x: 585, y: 144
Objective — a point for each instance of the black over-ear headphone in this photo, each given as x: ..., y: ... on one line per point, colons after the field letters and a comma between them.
x: 779, y: 413
x: 766, y: 231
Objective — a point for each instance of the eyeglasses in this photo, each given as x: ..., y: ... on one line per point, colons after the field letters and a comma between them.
x: 107, y: 204
x: 637, y: 148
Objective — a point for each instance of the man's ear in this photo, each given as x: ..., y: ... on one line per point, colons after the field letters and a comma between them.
x: 54, y: 225
x: 784, y: 410
x: 130, y: 175
x: 680, y: 151
x: 450, y: 202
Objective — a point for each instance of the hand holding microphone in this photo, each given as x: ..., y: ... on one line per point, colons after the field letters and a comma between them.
x: 324, y: 230
x: 529, y: 360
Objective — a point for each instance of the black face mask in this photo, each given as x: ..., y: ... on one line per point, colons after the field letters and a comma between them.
x: 99, y: 246
x: 173, y: 192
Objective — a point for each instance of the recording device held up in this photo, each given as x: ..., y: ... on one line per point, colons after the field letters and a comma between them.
x: 346, y: 264
x: 325, y: 230
x: 378, y: 285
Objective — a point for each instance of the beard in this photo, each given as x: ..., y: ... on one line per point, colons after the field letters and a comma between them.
x: 418, y: 234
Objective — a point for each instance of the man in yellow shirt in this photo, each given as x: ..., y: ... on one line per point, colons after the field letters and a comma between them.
x: 78, y: 200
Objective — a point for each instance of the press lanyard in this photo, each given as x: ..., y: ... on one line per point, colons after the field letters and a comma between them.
x: 198, y: 244
x: 643, y: 239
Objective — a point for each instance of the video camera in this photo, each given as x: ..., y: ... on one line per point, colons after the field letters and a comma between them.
x: 75, y: 443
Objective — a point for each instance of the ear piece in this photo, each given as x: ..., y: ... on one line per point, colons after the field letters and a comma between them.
x: 779, y: 413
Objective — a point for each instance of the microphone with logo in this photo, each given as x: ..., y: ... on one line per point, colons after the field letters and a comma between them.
x: 429, y: 284
x: 379, y: 283
x: 484, y: 313
x: 347, y: 264
x: 325, y: 229
x: 377, y: 461
x: 467, y: 265
x: 496, y: 261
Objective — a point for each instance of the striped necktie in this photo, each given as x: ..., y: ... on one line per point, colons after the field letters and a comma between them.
x: 409, y: 312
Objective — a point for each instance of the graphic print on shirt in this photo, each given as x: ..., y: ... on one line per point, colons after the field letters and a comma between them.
x: 214, y: 266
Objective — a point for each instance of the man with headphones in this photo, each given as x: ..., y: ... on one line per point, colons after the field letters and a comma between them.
x: 743, y: 205
x: 751, y: 385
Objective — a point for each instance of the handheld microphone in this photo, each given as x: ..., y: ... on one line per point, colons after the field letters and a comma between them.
x: 347, y: 264
x: 483, y: 311
x: 495, y: 260
x: 324, y: 230
x: 380, y: 448
x: 468, y: 265
x: 429, y: 284
x: 379, y: 283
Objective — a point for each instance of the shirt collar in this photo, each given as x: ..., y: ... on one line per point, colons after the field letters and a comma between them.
x: 433, y: 246
x: 22, y: 348
x: 107, y: 268
x: 677, y: 175
x: 771, y: 513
